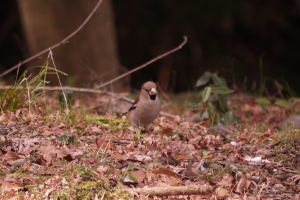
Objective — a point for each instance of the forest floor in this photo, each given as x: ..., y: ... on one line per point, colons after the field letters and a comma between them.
x: 85, y: 153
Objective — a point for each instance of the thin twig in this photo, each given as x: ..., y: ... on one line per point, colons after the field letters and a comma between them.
x: 19, y: 123
x: 75, y: 89
x: 56, y: 45
x: 163, y: 93
x: 144, y: 65
x: 62, y: 90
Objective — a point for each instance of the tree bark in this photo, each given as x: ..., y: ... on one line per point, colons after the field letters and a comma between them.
x: 90, y: 56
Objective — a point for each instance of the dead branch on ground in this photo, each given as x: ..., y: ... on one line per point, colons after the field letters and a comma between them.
x: 166, y: 191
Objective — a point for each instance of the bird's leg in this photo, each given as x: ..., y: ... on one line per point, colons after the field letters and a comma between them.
x: 149, y: 132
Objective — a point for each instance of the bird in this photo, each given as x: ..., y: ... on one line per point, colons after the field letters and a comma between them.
x: 145, y: 108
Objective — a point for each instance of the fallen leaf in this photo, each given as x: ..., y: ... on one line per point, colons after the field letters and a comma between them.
x: 8, y: 187
x: 241, y: 187
x: 222, y: 193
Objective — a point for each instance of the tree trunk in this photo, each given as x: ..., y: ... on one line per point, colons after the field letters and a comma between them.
x: 90, y: 56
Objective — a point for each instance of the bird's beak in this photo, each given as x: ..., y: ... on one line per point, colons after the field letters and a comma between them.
x: 153, y: 91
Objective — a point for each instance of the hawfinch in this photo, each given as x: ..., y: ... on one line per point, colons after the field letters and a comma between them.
x: 146, y: 107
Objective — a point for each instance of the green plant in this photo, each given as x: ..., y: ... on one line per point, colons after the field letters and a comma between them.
x: 264, y: 102
x: 219, y: 90
x: 25, y: 90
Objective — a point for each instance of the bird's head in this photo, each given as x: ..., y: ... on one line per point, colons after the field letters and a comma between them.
x: 149, y: 90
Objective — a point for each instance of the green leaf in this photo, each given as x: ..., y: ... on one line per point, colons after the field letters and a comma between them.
x: 202, y: 114
x: 221, y: 90
x: 204, y: 153
x: 282, y: 103
x: 204, y: 79
x: 264, y: 107
x: 189, y: 155
x: 194, y: 106
x: 263, y: 100
x: 219, y: 81
x: 63, y: 138
x: 71, y: 140
x: 211, y: 113
x: 236, y: 110
x: 137, y: 135
x: 206, y: 94
x: 132, y: 177
x: 223, y: 103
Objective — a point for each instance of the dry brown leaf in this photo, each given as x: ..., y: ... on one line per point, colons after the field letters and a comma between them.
x: 130, y: 147
x: 222, y: 193
x: 8, y: 187
x: 102, y: 169
x: 242, y: 185
x: 190, y: 172
x: 167, y: 131
x: 104, y: 144
x: 53, y: 181
x: 139, y: 174
x: 227, y: 181
x: 117, y: 156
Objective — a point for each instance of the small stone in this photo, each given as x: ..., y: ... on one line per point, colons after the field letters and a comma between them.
x: 295, y: 119
x: 269, y: 166
x: 279, y: 187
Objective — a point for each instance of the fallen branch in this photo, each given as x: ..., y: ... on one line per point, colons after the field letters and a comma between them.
x: 144, y: 65
x: 166, y: 191
x: 56, y: 45
x: 84, y: 90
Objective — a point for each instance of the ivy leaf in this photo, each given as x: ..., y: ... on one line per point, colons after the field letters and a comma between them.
x: 202, y: 114
x: 221, y: 90
x: 204, y: 79
x: 264, y: 107
x: 282, y: 103
x: 223, y: 103
x: 219, y: 81
x: 194, y: 106
x: 206, y: 94
x: 263, y: 100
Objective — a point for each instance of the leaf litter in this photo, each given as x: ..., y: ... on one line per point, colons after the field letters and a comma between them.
x: 84, y: 156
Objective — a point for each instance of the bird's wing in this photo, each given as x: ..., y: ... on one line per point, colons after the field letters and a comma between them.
x: 133, y: 106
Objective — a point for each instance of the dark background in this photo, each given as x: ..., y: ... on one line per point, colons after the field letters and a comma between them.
x: 227, y: 37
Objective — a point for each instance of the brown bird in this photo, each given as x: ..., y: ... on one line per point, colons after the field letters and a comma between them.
x: 145, y: 108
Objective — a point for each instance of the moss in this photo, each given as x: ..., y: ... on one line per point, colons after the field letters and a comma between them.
x: 89, y: 190
x: 109, y: 123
